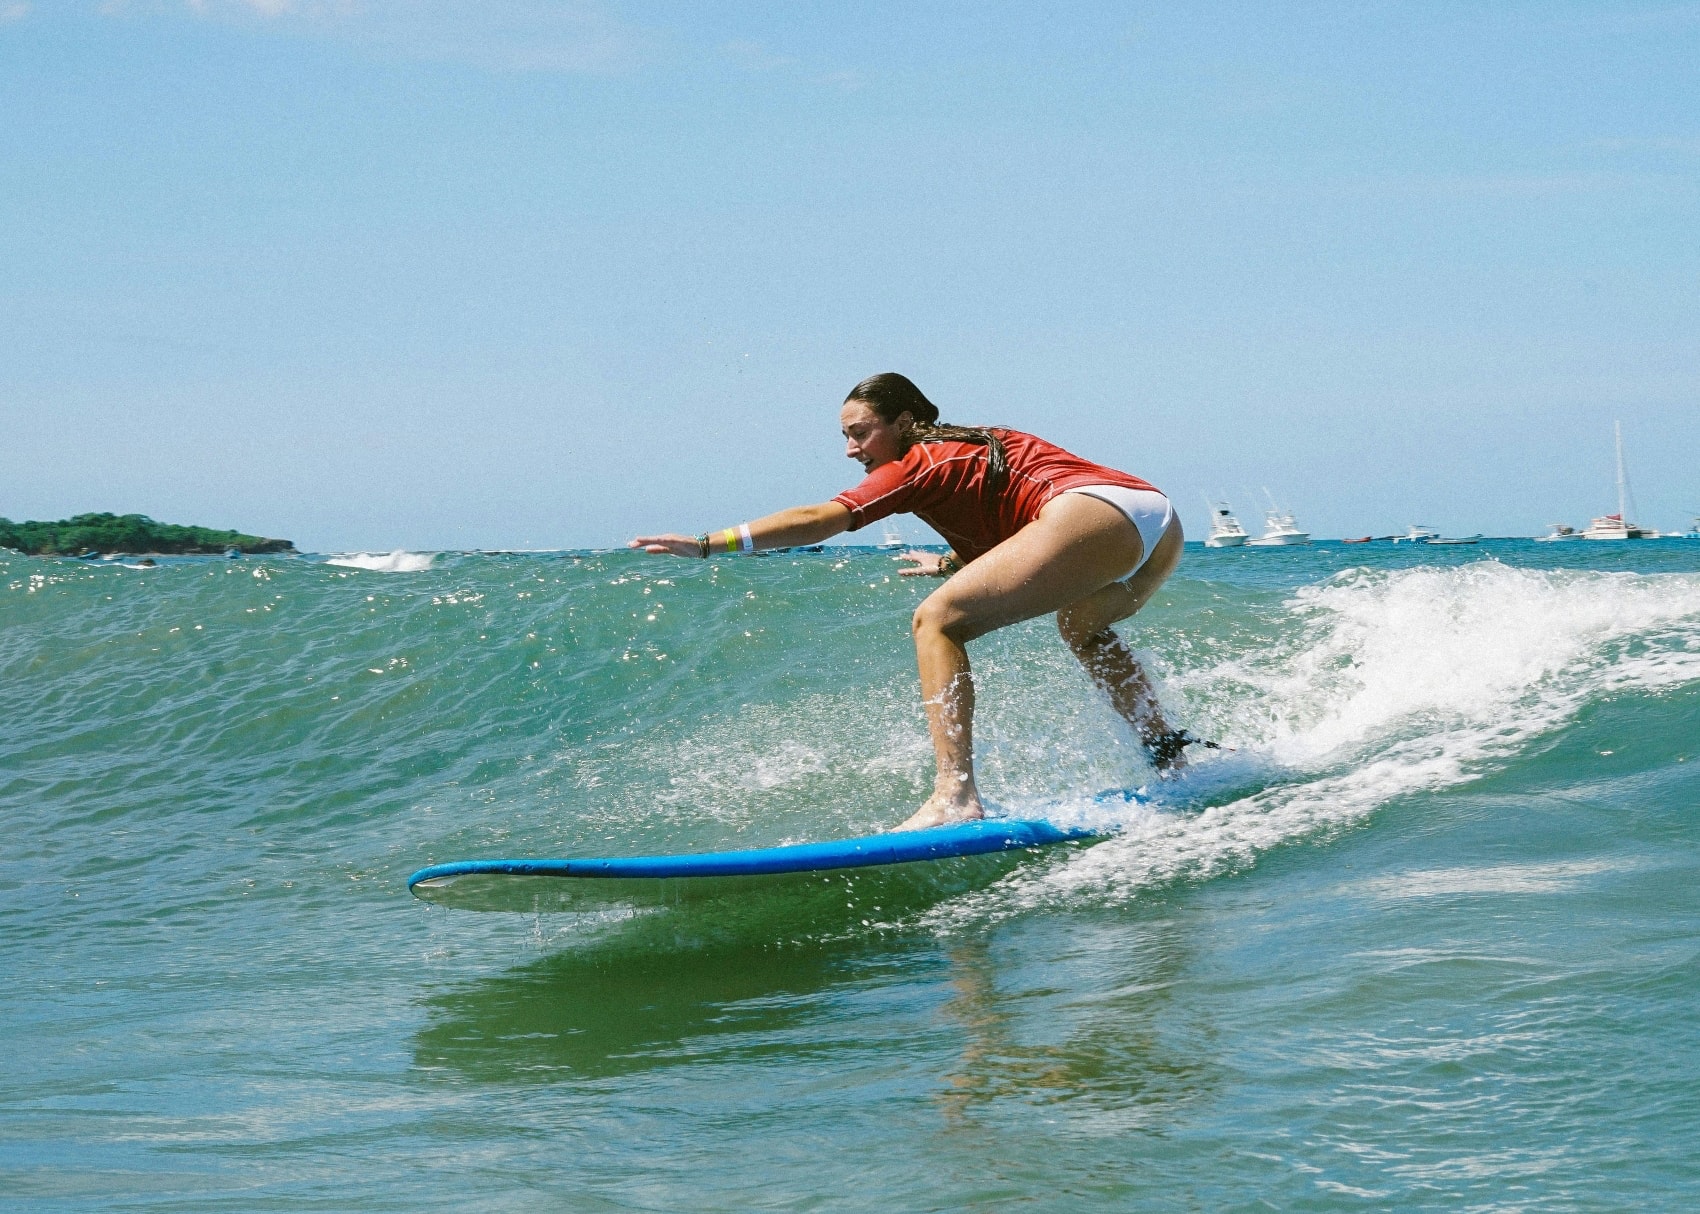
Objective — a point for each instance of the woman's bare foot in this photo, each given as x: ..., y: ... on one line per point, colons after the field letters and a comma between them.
x: 940, y: 812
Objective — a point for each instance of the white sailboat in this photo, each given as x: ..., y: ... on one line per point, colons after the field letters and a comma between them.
x: 1279, y: 528
x: 1617, y: 526
x: 892, y: 537
x: 1225, y: 529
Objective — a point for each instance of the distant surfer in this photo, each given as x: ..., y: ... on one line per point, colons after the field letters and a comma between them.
x: 1032, y: 530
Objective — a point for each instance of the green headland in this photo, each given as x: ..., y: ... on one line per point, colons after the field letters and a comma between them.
x: 127, y: 533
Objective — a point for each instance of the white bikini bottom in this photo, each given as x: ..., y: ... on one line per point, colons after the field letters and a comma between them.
x: 1149, y: 511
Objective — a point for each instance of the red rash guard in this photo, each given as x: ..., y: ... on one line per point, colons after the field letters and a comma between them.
x: 944, y: 484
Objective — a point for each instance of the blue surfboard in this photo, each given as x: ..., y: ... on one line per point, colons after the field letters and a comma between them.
x: 950, y: 853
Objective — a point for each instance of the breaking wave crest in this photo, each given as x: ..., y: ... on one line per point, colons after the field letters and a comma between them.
x: 399, y: 561
x: 1381, y: 684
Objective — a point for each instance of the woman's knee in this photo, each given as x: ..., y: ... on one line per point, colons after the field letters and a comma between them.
x: 1082, y: 631
x: 938, y: 615
x: 1086, y: 625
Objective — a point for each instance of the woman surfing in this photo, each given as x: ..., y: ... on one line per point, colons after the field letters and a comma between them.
x: 1032, y: 530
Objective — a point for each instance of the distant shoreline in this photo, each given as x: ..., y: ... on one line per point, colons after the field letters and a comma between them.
x: 130, y: 535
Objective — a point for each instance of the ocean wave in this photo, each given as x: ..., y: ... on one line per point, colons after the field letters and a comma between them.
x: 1385, y: 684
x: 399, y: 561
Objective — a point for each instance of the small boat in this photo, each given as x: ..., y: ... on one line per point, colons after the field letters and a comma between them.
x: 1459, y: 539
x: 1557, y: 532
x: 1616, y: 526
x: 892, y: 537
x: 1361, y: 539
x: 1279, y: 529
x: 1418, y: 533
x: 1225, y: 529
x: 1612, y: 526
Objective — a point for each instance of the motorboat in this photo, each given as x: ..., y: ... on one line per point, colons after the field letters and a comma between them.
x: 892, y: 537
x: 1455, y: 539
x: 1417, y: 533
x: 1279, y: 528
x: 1557, y: 532
x: 1617, y: 526
x: 1225, y: 529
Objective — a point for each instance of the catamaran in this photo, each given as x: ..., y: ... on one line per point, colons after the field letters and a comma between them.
x: 1617, y: 526
x: 1225, y: 529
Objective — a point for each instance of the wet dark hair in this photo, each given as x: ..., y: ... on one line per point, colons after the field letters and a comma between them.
x: 891, y: 395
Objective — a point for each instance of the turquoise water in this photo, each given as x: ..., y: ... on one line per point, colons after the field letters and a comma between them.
x: 1427, y: 939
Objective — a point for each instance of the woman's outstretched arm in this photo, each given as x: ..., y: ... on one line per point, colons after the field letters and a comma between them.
x: 791, y: 528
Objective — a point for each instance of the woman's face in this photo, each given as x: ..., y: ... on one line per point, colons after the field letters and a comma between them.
x: 869, y: 439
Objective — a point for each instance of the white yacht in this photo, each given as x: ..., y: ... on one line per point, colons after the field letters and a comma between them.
x: 1557, y: 532
x: 1617, y: 526
x: 1279, y: 529
x: 892, y: 537
x: 1417, y: 533
x: 1225, y: 529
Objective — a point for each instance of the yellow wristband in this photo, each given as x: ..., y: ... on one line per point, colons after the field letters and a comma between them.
x: 729, y: 538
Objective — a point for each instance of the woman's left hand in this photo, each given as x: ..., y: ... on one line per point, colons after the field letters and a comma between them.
x: 678, y: 545
x: 927, y: 564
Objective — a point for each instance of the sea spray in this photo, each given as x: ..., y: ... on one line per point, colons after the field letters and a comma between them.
x: 1386, y: 683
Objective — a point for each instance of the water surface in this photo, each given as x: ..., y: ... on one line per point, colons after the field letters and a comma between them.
x: 1426, y: 939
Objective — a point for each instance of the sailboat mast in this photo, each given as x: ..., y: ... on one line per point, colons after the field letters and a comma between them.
x: 1622, y: 506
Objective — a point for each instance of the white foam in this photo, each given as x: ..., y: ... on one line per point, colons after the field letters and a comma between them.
x: 398, y: 561
x: 1485, y: 879
x: 1381, y: 684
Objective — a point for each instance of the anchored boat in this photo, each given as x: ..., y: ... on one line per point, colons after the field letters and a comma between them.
x: 1279, y: 529
x: 1617, y: 526
x: 1225, y: 529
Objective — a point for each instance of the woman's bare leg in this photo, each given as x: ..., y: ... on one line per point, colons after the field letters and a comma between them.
x: 1077, y: 546
x: 1110, y: 662
x: 947, y: 693
x: 1085, y: 628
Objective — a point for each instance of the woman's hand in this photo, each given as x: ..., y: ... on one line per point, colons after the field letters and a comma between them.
x: 678, y: 545
x: 927, y: 564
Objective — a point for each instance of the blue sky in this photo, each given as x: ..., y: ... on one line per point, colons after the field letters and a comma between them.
x: 365, y: 273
